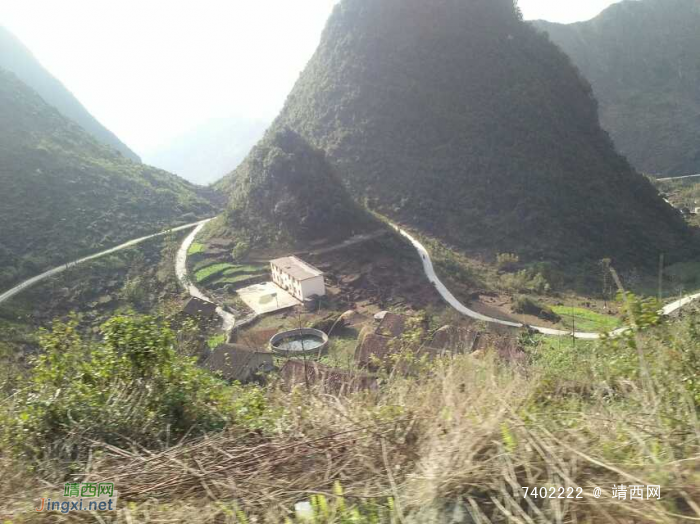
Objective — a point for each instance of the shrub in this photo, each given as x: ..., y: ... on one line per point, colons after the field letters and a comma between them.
x: 526, y: 281
x: 240, y: 250
x: 507, y: 261
x: 131, y: 387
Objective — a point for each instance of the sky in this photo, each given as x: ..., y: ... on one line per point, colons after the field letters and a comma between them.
x: 151, y: 70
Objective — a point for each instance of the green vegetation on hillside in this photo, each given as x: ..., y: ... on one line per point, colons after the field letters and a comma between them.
x: 62, y: 194
x: 684, y: 194
x: 70, y: 399
x: 16, y: 58
x: 214, y: 269
x: 195, y: 249
x: 642, y: 59
x: 225, y: 272
x: 582, y: 319
x: 476, y: 129
x: 286, y: 193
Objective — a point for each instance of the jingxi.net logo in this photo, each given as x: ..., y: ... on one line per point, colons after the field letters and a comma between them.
x: 85, y: 496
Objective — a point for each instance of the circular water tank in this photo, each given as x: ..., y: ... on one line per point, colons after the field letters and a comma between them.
x: 299, y: 342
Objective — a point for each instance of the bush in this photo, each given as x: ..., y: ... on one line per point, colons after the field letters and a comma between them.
x: 240, y: 250
x: 507, y: 261
x: 526, y: 281
x: 460, y: 436
x: 133, y: 387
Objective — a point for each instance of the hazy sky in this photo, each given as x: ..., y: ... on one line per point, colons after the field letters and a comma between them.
x: 150, y: 70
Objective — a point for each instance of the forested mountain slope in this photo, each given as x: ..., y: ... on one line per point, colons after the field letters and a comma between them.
x: 643, y: 60
x: 286, y: 193
x: 462, y: 120
x: 63, y: 194
x: 15, y: 57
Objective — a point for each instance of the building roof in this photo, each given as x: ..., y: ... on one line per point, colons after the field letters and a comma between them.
x: 297, y: 268
x: 259, y: 338
x: 197, y: 307
x: 392, y: 325
x: 298, y: 372
x: 237, y: 362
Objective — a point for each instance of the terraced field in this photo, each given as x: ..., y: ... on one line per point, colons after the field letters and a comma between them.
x: 222, y: 273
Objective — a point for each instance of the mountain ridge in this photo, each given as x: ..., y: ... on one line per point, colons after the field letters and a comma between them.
x: 641, y: 58
x: 285, y: 193
x: 460, y: 119
x: 18, y: 59
x: 63, y: 194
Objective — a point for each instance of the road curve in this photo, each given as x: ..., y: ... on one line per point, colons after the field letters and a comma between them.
x: 456, y: 304
x: 7, y: 295
x: 181, y: 271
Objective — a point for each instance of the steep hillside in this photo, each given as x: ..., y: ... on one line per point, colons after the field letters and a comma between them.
x: 643, y: 60
x: 210, y: 151
x: 457, y: 117
x: 285, y: 193
x: 15, y: 57
x: 63, y: 194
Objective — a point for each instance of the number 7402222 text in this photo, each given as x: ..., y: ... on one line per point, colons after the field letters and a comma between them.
x: 552, y: 493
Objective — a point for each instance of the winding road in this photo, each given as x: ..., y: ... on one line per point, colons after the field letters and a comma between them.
x: 229, y: 320
x: 7, y: 295
x: 181, y: 271
x: 464, y: 310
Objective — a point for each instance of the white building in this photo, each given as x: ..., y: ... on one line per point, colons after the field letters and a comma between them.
x: 300, y: 279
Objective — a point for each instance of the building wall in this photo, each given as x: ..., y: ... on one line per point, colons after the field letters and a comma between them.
x: 313, y: 286
x: 277, y: 276
x: 286, y: 282
x: 299, y: 290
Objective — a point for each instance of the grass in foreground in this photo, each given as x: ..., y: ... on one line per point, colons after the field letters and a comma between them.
x: 461, y: 436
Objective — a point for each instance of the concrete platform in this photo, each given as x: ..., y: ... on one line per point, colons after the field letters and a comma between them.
x: 267, y: 298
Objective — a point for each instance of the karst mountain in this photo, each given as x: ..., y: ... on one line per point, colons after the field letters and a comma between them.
x: 286, y: 193
x: 643, y: 59
x: 457, y: 118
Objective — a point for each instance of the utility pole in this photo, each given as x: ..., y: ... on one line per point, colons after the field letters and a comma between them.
x: 661, y: 277
x: 573, y: 326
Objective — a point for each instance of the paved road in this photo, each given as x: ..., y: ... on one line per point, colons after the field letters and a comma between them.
x: 229, y: 319
x: 7, y: 295
x: 677, y: 178
x: 181, y: 271
x: 456, y: 304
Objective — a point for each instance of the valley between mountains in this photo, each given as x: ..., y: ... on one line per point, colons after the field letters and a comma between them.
x: 463, y: 258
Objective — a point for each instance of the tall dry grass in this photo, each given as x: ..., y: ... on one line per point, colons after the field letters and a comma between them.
x: 453, y: 444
